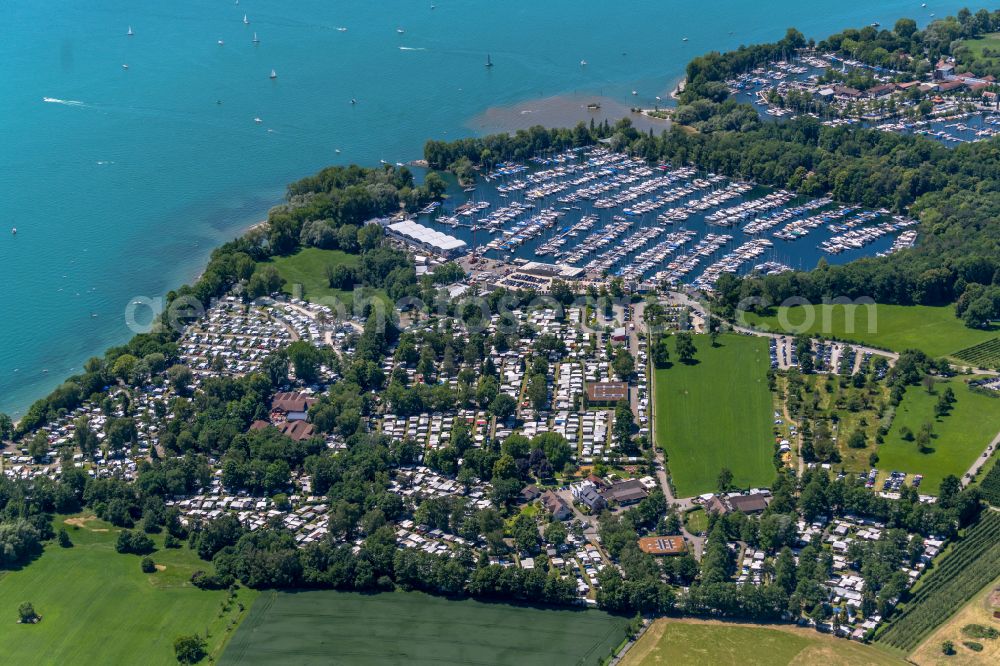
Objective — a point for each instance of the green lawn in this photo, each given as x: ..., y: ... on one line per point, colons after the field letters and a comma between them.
x: 990, y: 40
x: 307, y: 268
x: 327, y: 627
x: 696, y: 521
x: 935, y: 330
x: 976, y: 46
x: 960, y: 436
x: 717, y: 413
x: 673, y: 643
x: 98, y: 607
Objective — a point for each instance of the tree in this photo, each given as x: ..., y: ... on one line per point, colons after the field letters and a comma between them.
x: 661, y: 354
x: 26, y: 613
x: 38, y: 447
x: 622, y: 428
x: 503, y: 406
x: 265, y: 281
x: 624, y: 364
x: 305, y: 359
x: 180, y: 378
x: 189, y: 649
x: 905, y: 27
x: 725, y: 480
x: 924, y: 437
x: 84, y: 438
x: 525, y: 533
x: 19, y: 541
x: 714, y: 328
x: 685, y: 347
x: 538, y: 391
x: 944, y: 403
x: 634, y: 625
x: 134, y: 542
x: 125, y: 367
x: 857, y: 440
x: 948, y: 648
x: 64, y: 540
x: 147, y: 565
x: 6, y: 427
x: 556, y: 533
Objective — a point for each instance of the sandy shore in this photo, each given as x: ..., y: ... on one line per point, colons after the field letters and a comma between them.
x: 561, y: 111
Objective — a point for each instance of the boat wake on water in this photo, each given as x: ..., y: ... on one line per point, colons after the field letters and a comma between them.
x: 64, y: 102
x: 412, y: 48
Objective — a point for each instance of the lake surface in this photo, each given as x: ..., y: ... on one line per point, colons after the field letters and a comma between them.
x: 124, y: 179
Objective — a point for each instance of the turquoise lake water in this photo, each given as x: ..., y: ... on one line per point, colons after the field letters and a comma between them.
x: 120, y: 181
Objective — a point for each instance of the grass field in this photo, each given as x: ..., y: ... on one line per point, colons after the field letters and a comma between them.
x: 960, y: 436
x: 307, y: 268
x: 696, y: 521
x: 717, y: 413
x: 326, y: 627
x: 935, y: 330
x: 695, y: 643
x: 978, y: 611
x: 989, y: 41
x: 98, y: 607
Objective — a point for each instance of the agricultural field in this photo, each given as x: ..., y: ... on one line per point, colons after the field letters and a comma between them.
x: 98, y: 607
x: 965, y: 626
x: 958, y: 575
x: 716, y: 413
x: 307, y: 268
x: 959, y: 437
x: 695, y: 642
x: 327, y: 627
x: 989, y: 484
x: 935, y: 330
x: 984, y: 355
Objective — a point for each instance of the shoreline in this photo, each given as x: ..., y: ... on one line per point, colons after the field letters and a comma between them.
x: 564, y: 111
x: 678, y: 89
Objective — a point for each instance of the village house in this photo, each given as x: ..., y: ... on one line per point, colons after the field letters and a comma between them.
x: 748, y: 504
x: 586, y: 493
x: 606, y: 393
x: 556, y: 506
x: 662, y: 545
x: 625, y: 493
x: 291, y: 406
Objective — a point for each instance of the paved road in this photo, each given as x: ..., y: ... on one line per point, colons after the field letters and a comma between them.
x: 980, y: 461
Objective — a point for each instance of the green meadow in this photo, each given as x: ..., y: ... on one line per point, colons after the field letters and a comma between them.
x: 328, y: 627
x: 959, y: 437
x: 98, y: 607
x: 716, y: 413
x: 694, y: 643
x: 935, y: 330
x: 307, y: 268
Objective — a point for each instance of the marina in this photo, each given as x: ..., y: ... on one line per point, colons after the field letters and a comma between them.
x: 802, y: 85
x: 653, y: 226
